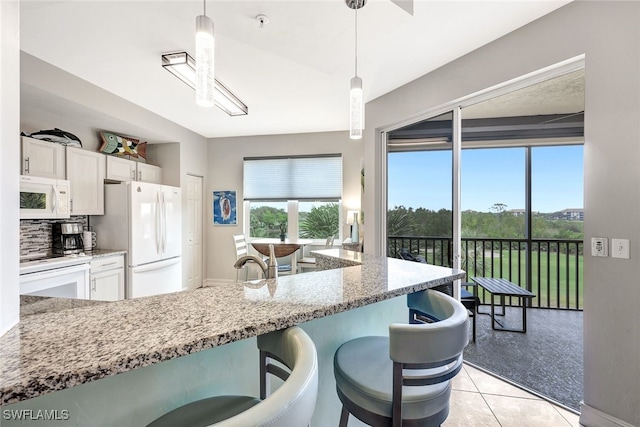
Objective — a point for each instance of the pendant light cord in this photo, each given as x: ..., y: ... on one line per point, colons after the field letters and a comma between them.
x: 356, y: 41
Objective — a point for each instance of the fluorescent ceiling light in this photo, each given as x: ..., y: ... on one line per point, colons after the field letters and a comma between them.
x: 183, y: 66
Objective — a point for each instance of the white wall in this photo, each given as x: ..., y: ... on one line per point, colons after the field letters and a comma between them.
x: 9, y: 161
x: 225, y: 167
x: 608, y: 33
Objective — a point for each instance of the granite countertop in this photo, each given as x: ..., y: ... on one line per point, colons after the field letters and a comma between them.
x: 59, y: 349
x: 102, y: 253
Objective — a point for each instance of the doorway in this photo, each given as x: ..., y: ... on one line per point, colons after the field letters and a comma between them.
x: 194, y: 231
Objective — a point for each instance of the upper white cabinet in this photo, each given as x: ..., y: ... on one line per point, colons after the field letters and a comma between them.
x: 42, y: 158
x: 86, y: 172
x: 119, y: 169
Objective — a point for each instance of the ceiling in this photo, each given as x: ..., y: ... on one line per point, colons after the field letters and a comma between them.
x: 293, y: 73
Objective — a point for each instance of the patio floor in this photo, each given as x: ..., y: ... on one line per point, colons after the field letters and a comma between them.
x: 546, y: 360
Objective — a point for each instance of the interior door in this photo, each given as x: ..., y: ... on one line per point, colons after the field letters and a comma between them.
x: 145, y: 223
x: 194, y: 231
x: 171, y: 218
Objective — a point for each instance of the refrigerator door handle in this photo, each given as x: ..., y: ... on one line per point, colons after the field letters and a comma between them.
x: 156, y: 265
x: 164, y: 222
x: 158, y: 223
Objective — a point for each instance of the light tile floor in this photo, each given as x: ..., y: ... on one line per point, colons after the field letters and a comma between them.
x: 480, y: 399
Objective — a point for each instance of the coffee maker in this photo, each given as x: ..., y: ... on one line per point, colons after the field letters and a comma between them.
x: 67, y: 238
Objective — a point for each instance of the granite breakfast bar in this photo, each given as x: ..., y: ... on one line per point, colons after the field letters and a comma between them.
x: 52, y: 360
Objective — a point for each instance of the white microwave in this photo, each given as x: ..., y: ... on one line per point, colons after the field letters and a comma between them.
x: 44, y: 197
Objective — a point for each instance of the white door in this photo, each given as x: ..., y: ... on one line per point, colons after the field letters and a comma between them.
x: 194, y: 232
x: 171, y: 217
x: 149, y: 173
x: 42, y: 158
x: 107, y: 285
x: 145, y: 221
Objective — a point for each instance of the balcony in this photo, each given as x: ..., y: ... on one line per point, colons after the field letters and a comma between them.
x: 552, y: 269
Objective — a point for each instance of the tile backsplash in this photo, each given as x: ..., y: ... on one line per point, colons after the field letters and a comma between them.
x: 36, y: 236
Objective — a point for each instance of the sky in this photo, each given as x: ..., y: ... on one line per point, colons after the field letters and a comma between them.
x: 489, y: 176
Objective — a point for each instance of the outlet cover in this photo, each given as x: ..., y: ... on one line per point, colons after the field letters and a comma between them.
x: 620, y: 248
x: 599, y: 246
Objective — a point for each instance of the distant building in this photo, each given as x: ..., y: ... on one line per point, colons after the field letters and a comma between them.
x: 569, y: 215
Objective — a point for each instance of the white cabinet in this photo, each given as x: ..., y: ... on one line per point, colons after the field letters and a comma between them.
x: 119, y: 169
x: 107, y: 278
x: 86, y: 172
x: 42, y: 158
x: 149, y: 173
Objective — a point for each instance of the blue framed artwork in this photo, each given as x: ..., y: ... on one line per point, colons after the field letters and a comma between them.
x: 224, y: 208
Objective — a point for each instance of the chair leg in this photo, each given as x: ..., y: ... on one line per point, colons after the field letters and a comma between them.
x: 344, y: 417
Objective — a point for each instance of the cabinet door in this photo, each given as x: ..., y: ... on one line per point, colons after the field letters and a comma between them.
x: 42, y: 158
x: 120, y: 169
x: 108, y: 285
x: 86, y: 171
x: 149, y: 173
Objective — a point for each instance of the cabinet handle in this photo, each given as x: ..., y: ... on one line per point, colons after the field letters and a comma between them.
x: 139, y: 175
x: 133, y: 175
x: 109, y: 263
x: 93, y: 286
x: 26, y: 166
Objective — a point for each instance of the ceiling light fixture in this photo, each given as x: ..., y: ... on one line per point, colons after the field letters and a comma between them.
x: 204, y: 60
x: 356, y: 107
x: 183, y: 66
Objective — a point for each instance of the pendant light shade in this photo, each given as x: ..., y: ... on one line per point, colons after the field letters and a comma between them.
x: 205, y: 77
x: 356, y: 103
x: 356, y: 113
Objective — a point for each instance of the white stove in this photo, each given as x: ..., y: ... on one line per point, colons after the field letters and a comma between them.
x: 55, y: 276
x: 42, y: 262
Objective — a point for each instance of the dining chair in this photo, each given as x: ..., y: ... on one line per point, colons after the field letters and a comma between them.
x: 242, y: 248
x: 310, y: 262
x: 404, y: 379
x: 292, y: 403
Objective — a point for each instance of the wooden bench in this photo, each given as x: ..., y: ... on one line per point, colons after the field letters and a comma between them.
x: 504, y: 288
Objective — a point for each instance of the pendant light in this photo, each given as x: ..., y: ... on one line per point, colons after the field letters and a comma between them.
x: 204, y: 60
x: 356, y: 107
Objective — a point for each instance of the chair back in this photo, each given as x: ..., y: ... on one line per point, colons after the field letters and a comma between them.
x: 431, y: 344
x: 293, y: 403
x: 328, y: 244
x: 240, y: 242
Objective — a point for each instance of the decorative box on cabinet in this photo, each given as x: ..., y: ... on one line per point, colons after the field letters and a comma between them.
x: 86, y: 172
x: 107, y: 278
x: 119, y: 169
x: 42, y: 158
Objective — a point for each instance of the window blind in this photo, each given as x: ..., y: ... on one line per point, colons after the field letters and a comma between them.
x: 293, y: 178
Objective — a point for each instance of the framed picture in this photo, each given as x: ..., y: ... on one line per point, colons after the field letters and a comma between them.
x: 224, y: 208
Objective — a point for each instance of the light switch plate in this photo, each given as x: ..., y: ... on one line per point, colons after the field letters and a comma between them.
x: 620, y: 248
x: 599, y: 246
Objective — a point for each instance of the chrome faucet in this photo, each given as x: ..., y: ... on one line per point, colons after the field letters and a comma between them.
x: 269, y: 271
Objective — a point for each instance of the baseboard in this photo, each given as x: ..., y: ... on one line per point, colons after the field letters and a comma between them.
x: 211, y: 282
x: 592, y: 417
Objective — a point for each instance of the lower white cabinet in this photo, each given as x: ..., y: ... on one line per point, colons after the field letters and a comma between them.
x: 107, y: 278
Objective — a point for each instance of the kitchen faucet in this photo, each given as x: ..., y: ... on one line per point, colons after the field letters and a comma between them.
x: 269, y: 271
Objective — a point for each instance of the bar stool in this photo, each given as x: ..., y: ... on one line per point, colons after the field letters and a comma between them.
x: 404, y: 379
x: 292, y: 404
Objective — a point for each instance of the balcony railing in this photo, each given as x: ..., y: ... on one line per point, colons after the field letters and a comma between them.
x: 555, y: 272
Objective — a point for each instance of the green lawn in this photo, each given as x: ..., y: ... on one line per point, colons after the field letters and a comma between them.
x: 553, y: 277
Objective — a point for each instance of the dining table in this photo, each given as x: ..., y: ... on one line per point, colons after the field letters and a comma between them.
x: 281, y: 248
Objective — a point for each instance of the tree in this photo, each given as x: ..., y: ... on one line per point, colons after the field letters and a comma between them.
x: 321, y: 222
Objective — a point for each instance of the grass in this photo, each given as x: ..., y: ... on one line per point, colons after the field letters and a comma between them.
x: 553, y: 275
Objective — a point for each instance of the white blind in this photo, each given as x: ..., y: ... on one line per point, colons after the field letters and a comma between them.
x: 293, y: 178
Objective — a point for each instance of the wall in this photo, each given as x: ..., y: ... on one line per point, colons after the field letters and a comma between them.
x: 609, y: 35
x: 225, y: 163
x: 9, y: 161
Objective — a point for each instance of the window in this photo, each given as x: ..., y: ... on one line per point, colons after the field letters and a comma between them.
x: 300, y: 193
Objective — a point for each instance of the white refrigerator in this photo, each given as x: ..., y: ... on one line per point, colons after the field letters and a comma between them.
x: 146, y: 219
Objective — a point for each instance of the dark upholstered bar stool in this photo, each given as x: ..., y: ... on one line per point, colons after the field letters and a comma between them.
x: 404, y: 379
x: 292, y: 404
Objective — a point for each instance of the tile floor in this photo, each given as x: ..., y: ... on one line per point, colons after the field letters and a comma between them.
x: 480, y: 399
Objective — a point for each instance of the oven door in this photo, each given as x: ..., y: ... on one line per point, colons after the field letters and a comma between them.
x: 65, y: 282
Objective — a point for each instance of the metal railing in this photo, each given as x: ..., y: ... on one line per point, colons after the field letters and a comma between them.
x: 550, y: 268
